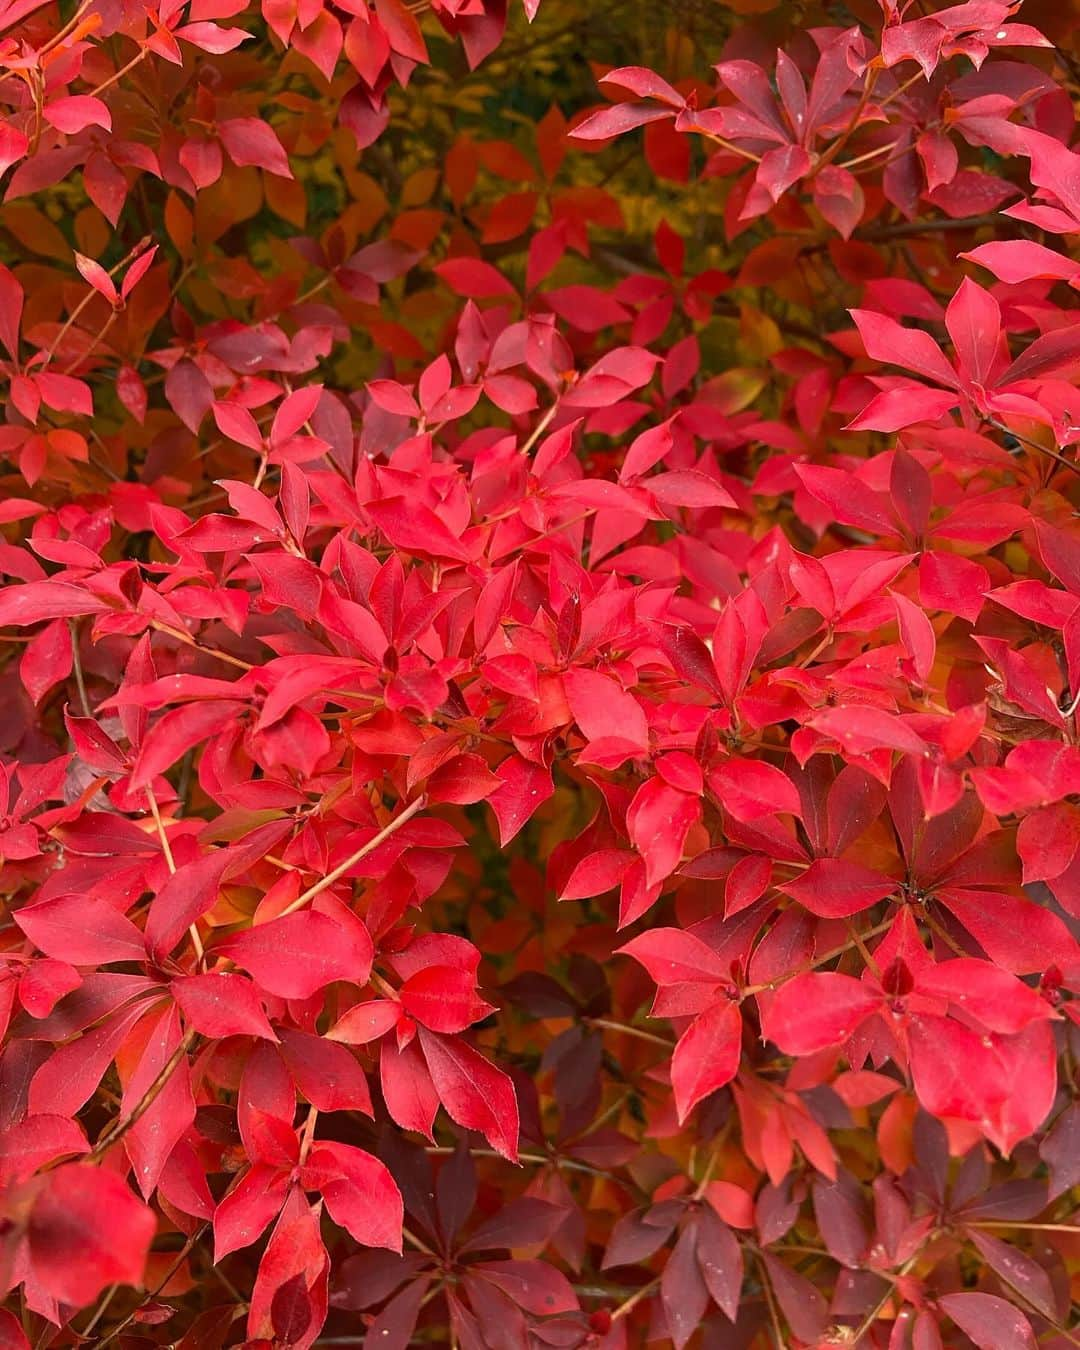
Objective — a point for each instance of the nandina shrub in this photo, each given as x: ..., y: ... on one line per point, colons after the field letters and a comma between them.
x: 540, y: 669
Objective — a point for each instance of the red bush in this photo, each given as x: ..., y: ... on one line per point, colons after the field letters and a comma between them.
x: 501, y: 668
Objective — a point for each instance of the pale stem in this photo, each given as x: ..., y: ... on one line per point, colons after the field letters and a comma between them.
x: 540, y: 428
x: 351, y: 861
x: 119, y: 75
x: 631, y: 1303
x: 170, y: 863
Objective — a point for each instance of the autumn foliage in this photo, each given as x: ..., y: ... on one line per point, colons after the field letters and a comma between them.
x: 539, y: 675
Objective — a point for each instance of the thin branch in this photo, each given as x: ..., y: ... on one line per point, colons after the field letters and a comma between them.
x: 170, y: 863
x: 1034, y: 445
x: 418, y: 1243
x: 141, y: 55
x: 99, y: 1312
x: 140, y: 247
x: 99, y: 336
x: 822, y: 960
x: 308, y: 1137
x: 770, y: 1300
x: 624, y: 1309
x: 351, y: 861
x: 540, y: 428
x: 852, y: 126
x: 902, y: 89
x: 1072, y: 1228
x: 872, y: 1316
x: 870, y: 154
x: 730, y: 146
x: 120, y: 1127
x: 181, y: 1257
x: 906, y: 228
x: 76, y: 665
x: 639, y: 1032
x: 189, y: 641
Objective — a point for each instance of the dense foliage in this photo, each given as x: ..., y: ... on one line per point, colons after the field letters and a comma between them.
x: 540, y: 668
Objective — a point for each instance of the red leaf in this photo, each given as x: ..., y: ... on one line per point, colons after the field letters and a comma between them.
x: 520, y: 1222
x: 242, y: 1215
x: 597, y: 873
x: 11, y: 307
x: 858, y: 730
x: 81, y: 930
x: 973, y: 319
x: 672, y: 956
x: 998, y: 1000
x: 47, y: 660
x: 1003, y: 1084
x: 474, y: 279
x: 137, y: 271
x: 814, y: 1011
x: 289, y: 1300
x: 35, y: 1141
x: 1054, y: 353
x: 444, y: 999
x: 402, y: 29
x: 174, y: 735
x: 991, y: 1322
x: 689, y: 488
x: 361, y: 1196
x: 683, y: 1291
x: 12, y: 1336
x: 720, y: 1258
x: 890, y: 342
x: 366, y: 1022
x: 77, y: 112
x: 415, y: 528
x: 149, y: 1142
x: 186, y: 896
x: 327, y: 1073
x: 1018, y: 260
x: 296, y: 956
x: 707, y: 1055
x: 833, y: 888
x: 219, y: 1005
x: 658, y: 821
x: 249, y: 140
x: 13, y: 145
x: 608, y: 122
x: 524, y: 789
x: 644, y: 83
x: 211, y: 37
x: 476, y: 1094
x: 20, y: 605
x: 602, y: 708
x: 751, y: 789
x: 237, y: 423
x: 393, y: 397
x: 1048, y: 840
x: 535, y: 1286
x: 1019, y: 1270
x: 189, y: 393
x: 407, y: 1088
x: 86, y: 1231
x: 44, y: 983
x: 95, y: 274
